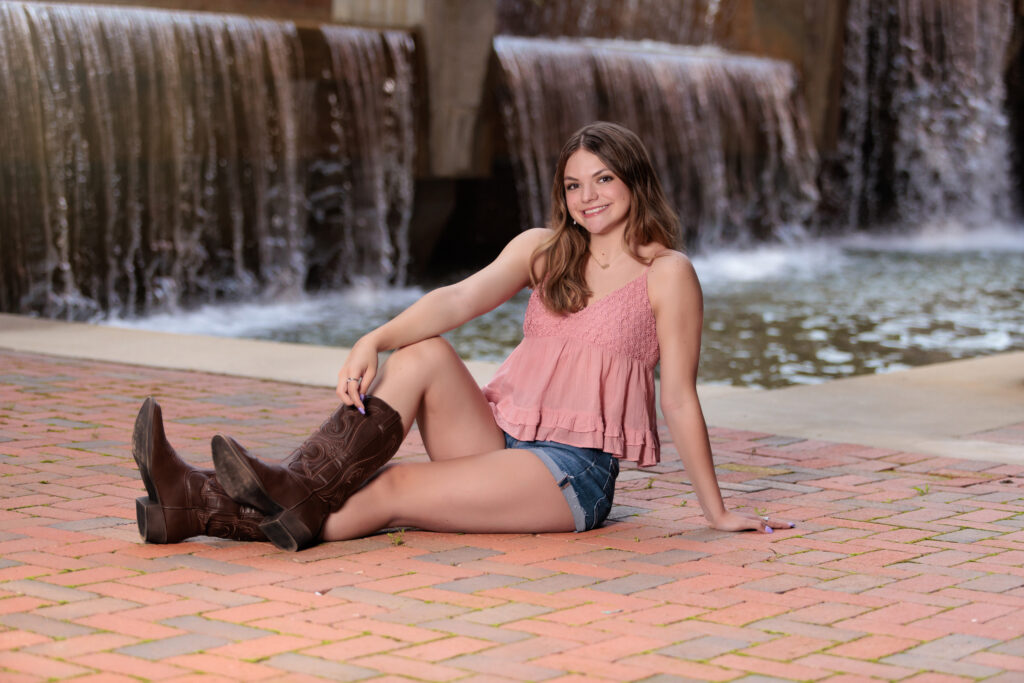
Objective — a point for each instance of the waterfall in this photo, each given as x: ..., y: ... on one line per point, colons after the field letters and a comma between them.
x: 152, y: 159
x: 686, y: 22
x: 363, y: 202
x: 923, y: 137
x: 727, y: 134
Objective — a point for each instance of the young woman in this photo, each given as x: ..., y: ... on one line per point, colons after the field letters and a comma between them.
x: 537, y: 449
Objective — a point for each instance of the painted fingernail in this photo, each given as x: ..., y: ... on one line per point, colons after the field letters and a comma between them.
x: 768, y: 530
x: 362, y: 397
x: 792, y: 525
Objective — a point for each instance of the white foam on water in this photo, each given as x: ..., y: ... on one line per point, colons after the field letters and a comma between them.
x: 346, y: 311
x: 807, y: 258
x: 768, y: 262
x: 795, y: 313
x: 943, y: 236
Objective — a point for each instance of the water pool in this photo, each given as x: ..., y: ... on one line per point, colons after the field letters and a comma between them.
x: 774, y: 316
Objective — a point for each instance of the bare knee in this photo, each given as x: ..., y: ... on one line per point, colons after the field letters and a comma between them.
x: 427, y: 355
x: 430, y: 349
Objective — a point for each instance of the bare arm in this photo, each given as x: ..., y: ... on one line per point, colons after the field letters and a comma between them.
x: 439, y: 311
x: 679, y: 312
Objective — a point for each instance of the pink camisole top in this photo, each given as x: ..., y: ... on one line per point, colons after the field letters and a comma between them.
x: 584, y: 379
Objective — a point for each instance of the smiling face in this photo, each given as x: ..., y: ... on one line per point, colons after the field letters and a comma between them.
x: 596, y: 197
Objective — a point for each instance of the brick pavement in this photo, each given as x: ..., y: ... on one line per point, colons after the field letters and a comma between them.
x: 902, y: 567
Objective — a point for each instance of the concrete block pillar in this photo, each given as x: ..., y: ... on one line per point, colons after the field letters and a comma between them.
x: 455, y: 37
x: 807, y: 33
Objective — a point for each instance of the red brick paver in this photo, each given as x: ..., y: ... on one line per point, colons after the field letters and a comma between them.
x: 901, y: 567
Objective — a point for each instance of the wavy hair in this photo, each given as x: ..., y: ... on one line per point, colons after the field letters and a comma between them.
x: 562, y: 286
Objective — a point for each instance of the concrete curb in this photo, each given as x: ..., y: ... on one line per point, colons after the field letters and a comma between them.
x: 275, y: 361
x: 943, y: 410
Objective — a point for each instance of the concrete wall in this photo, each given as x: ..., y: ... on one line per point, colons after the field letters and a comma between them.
x: 455, y: 38
x: 807, y: 33
x: 296, y: 10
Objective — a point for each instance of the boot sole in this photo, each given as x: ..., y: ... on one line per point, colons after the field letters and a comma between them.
x: 142, y: 445
x: 239, y: 479
x: 282, y: 527
x: 149, y: 513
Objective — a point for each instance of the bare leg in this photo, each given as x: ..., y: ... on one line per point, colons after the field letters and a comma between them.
x: 429, y: 383
x: 473, y: 483
x: 506, y: 491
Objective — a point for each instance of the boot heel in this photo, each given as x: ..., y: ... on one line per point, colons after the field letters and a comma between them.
x: 287, y: 531
x: 150, y: 515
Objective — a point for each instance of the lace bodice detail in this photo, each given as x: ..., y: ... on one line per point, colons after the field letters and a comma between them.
x: 621, y: 321
x: 586, y: 378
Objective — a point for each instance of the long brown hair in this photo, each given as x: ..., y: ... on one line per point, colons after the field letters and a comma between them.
x: 562, y: 286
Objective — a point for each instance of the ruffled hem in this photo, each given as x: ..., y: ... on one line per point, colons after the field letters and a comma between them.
x: 641, y: 446
x: 577, y: 393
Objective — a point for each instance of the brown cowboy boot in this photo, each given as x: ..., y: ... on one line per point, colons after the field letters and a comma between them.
x: 299, y: 493
x: 183, y: 500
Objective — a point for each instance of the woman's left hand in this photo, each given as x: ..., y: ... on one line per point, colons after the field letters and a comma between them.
x: 742, y: 521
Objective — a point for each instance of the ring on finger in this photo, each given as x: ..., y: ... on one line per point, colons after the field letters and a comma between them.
x: 353, y: 379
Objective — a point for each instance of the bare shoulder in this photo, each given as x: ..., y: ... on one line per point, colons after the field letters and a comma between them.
x: 524, y: 245
x: 672, y: 284
x: 671, y: 271
x: 533, y: 237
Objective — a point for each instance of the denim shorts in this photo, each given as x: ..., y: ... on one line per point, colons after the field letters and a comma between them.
x: 585, y: 475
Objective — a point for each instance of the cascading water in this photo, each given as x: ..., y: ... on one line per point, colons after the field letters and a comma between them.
x: 154, y: 159
x: 157, y: 158
x: 685, y: 22
x: 727, y: 133
x: 924, y: 137
x: 362, y: 202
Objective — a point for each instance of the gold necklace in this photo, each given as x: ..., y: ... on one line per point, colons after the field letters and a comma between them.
x: 603, y: 266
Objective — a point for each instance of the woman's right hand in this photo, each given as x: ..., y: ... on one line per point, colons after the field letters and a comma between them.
x: 438, y: 311
x: 357, y: 374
